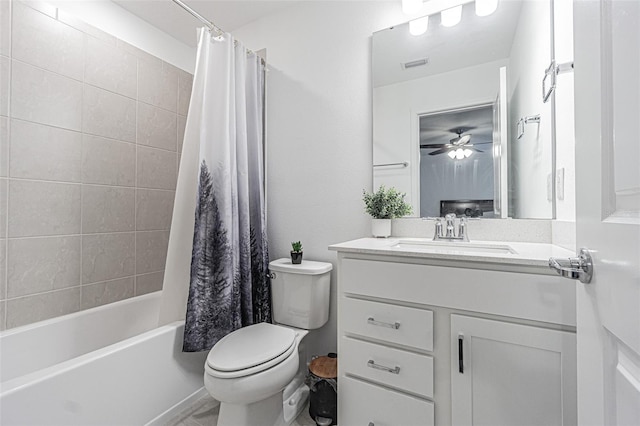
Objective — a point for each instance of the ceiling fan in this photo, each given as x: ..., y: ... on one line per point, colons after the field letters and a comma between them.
x: 461, y: 142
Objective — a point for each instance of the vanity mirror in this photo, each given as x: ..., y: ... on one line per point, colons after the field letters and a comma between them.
x: 459, y: 121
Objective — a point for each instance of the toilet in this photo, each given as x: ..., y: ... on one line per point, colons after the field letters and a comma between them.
x: 257, y: 372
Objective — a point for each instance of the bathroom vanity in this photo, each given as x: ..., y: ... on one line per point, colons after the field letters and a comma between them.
x: 454, y: 334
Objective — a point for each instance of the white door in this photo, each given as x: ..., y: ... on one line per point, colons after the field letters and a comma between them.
x: 607, y: 94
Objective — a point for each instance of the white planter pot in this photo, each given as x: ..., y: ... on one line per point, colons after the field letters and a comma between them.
x: 381, y: 228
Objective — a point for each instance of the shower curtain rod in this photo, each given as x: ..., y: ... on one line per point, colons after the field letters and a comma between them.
x: 209, y: 24
x: 201, y: 18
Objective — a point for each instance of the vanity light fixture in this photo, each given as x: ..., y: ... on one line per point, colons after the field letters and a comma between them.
x: 451, y: 17
x: 486, y: 7
x: 409, y: 7
x: 450, y: 11
x: 419, y: 26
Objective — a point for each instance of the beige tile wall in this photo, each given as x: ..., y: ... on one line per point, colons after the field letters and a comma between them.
x: 90, y: 130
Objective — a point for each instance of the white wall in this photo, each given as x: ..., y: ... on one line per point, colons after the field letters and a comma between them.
x: 318, y: 127
x: 114, y: 20
x: 565, y: 125
x: 530, y: 156
x: 396, y: 108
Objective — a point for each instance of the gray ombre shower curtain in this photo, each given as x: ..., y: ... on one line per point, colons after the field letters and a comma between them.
x: 223, y: 168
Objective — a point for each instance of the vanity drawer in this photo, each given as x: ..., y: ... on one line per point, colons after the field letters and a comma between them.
x: 366, y: 404
x: 397, y: 324
x: 393, y: 367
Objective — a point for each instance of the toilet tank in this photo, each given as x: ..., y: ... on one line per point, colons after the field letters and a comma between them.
x: 300, y: 293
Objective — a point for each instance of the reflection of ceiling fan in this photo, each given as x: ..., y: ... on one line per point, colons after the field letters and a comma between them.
x: 458, y: 144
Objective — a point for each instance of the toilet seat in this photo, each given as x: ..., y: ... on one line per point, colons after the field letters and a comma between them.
x: 250, y: 350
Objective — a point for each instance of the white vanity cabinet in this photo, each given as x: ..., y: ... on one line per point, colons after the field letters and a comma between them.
x: 511, y: 374
x: 406, y: 326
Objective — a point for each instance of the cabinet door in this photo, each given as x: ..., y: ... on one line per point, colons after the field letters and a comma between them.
x: 511, y: 374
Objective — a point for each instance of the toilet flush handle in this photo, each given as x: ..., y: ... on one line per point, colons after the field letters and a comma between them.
x: 271, y: 275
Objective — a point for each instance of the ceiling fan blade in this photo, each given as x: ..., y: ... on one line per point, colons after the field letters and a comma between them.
x: 433, y: 145
x: 460, y: 140
x: 440, y: 151
x: 475, y: 149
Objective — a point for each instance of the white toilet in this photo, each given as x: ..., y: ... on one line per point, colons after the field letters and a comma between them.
x: 256, y: 372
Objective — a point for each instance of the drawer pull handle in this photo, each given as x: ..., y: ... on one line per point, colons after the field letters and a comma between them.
x: 372, y: 364
x: 372, y: 321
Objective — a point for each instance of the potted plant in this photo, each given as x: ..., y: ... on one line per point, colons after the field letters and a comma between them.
x: 384, y: 205
x: 296, y: 253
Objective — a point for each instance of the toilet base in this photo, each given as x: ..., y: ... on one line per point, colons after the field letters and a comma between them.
x: 297, y: 402
x: 266, y: 412
x: 273, y: 411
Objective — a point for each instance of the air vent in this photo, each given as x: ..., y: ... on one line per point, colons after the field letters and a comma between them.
x: 416, y: 63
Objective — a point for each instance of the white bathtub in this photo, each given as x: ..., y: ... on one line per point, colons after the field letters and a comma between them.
x: 109, y: 365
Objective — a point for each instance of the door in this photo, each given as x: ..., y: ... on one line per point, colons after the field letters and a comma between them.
x: 511, y: 374
x: 607, y: 95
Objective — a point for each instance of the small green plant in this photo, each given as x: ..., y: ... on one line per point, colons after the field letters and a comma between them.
x: 296, y: 247
x: 386, y: 203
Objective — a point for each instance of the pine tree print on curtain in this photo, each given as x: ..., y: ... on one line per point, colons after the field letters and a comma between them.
x: 229, y: 287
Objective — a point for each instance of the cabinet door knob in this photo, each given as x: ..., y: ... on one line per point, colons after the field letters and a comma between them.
x: 393, y: 325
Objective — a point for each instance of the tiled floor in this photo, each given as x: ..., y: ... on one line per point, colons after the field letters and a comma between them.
x: 204, y: 412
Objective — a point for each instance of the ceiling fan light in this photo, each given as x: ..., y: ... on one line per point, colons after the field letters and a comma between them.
x: 452, y: 154
x: 451, y: 17
x: 467, y: 152
x: 419, y: 26
x: 486, y: 7
x: 409, y: 7
x: 459, y: 153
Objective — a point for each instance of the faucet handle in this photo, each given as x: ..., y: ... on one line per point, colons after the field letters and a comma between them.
x: 437, y: 232
x: 462, y: 229
x: 450, y: 216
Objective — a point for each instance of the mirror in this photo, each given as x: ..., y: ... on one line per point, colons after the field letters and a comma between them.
x: 459, y: 123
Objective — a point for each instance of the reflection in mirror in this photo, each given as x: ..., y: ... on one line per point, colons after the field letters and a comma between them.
x: 456, y: 163
x: 422, y: 82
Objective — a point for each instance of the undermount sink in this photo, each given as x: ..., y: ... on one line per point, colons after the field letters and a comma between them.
x: 452, y: 247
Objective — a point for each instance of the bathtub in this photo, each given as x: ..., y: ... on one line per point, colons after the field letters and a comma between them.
x: 109, y: 365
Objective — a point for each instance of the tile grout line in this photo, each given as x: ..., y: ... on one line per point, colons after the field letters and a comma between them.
x: 135, y: 184
x: 82, y: 147
x: 8, y: 162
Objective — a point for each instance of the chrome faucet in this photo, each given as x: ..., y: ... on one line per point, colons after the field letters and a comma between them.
x: 450, y: 230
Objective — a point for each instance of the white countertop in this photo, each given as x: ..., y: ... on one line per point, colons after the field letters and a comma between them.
x: 525, y: 254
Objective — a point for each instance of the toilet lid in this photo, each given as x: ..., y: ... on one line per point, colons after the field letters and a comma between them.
x: 250, y: 346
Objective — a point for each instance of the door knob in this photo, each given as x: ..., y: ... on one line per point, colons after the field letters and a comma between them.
x: 575, y: 268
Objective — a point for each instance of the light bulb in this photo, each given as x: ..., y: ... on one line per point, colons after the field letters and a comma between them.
x: 409, y: 7
x: 467, y: 152
x: 452, y: 154
x: 459, y: 154
x: 419, y: 26
x: 451, y: 17
x: 486, y: 7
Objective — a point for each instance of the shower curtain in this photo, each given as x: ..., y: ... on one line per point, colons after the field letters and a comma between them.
x: 227, y: 283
